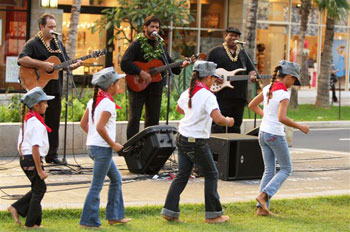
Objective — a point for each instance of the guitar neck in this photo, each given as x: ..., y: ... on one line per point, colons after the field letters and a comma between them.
x: 164, y: 67
x: 69, y: 62
x: 245, y: 77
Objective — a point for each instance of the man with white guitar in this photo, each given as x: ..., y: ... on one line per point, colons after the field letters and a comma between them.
x: 33, y: 55
x: 229, y: 56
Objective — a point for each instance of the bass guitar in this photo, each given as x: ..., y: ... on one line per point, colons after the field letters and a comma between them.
x: 154, y: 68
x: 228, y: 76
x: 31, y: 77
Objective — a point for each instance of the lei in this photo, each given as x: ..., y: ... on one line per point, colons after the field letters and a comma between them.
x: 238, y: 49
x: 40, y: 35
x: 149, y: 52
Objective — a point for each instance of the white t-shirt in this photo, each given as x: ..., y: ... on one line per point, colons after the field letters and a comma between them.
x: 197, y: 120
x: 270, y: 122
x: 93, y: 137
x: 35, y: 133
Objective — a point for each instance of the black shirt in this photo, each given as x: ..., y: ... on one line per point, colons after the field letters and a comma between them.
x: 134, y: 53
x: 35, y: 49
x: 219, y: 56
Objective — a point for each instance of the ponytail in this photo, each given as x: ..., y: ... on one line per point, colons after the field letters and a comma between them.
x: 94, y: 102
x: 193, y: 80
x: 23, y: 113
x: 276, y: 74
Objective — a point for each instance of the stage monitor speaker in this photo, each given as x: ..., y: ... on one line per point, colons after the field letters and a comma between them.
x: 237, y: 156
x: 147, y: 151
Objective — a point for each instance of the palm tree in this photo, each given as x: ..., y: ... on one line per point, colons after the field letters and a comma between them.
x: 301, y: 57
x: 73, y: 28
x: 335, y: 10
x: 250, y: 30
x: 72, y: 34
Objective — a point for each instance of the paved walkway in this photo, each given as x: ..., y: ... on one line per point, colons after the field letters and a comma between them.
x: 316, y: 173
x: 308, y: 96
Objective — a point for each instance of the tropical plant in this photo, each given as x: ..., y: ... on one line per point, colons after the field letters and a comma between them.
x: 133, y: 12
x: 334, y: 10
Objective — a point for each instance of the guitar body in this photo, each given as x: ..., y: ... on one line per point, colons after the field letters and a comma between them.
x: 31, y: 77
x: 224, y: 74
x: 136, y: 83
x: 228, y: 76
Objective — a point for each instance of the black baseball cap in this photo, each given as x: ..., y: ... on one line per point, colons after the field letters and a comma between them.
x: 233, y: 30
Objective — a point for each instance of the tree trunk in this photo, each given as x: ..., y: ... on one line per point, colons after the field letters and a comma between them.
x: 72, y: 35
x: 322, y: 99
x: 250, y: 30
x: 302, y: 56
x: 250, y: 37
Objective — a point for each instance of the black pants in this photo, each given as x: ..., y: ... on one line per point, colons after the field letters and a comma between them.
x: 137, y: 100
x: 52, y: 120
x: 190, y: 153
x: 231, y: 108
x: 29, y: 205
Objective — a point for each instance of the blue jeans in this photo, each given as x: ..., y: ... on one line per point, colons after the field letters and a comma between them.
x: 274, y: 147
x: 189, y: 153
x: 103, y: 165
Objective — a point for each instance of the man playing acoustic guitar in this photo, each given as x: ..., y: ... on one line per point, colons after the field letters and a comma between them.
x: 231, y: 101
x: 146, y: 48
x: 33, y: 55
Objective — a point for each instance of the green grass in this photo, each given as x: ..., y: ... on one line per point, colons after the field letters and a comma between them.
x: 307, y: 214
x: 311, y: 113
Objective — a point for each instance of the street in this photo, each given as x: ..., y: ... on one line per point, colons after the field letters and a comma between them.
x: 331, y: 139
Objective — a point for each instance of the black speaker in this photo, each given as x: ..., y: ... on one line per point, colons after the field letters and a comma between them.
x: 147, y: 151
x: 238, y: 157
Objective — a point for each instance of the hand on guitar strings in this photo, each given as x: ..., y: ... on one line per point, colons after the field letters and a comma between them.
x: 48, y: 66
x: 145, y: 76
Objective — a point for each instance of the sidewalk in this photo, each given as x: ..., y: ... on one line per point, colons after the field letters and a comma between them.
x: 308, y: 95
x: 316, y: 173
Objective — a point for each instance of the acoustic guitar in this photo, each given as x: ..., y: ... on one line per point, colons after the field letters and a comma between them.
x: 228, y: 76
x: 154, y: 68
x: 31, y: 77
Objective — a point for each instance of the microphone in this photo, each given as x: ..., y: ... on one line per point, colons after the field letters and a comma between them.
x: 154, y: 33
x: 54, y: 33
x: 240, y: 42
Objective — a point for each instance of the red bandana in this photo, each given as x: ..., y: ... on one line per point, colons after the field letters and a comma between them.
x: 198, y: 86
x: 101, y: 95
x: 277, y: 85
x: 31, y: 114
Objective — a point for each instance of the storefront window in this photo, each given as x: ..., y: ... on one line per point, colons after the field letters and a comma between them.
x: 13, y: 35
x: 86, y: 43
x: 100, y: 3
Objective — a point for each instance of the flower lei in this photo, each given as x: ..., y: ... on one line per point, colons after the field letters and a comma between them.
x: 238, y: 49
x: 40, y: 35
x: 149, y: 52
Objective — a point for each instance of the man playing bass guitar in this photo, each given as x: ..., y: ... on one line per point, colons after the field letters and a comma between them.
x: 33, y: 55
x: 231, y: 100
x: 145, y: 48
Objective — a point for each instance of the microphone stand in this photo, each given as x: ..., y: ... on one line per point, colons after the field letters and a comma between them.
x: 169, y: 76
x: 256, y: 71
x: 69, y: 76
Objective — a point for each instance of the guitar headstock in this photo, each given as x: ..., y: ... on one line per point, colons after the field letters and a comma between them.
x: 98, y: 53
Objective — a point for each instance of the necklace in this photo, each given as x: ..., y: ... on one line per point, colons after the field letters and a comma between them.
x: 238, y: 49
x: 49, y: 49
x: 149, y: 53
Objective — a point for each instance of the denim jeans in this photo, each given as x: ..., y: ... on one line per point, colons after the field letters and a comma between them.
x: 103, y: 165
x: 29, y: 205
x: 190, y: 153
x: 274, y: 147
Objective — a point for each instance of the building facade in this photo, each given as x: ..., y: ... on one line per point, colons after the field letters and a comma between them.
x: 277, y: 34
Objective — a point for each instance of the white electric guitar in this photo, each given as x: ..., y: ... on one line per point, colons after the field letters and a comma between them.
x: 228, y: 76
